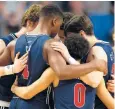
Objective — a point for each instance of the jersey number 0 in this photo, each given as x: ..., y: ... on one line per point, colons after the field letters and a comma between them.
x: 79, y: 95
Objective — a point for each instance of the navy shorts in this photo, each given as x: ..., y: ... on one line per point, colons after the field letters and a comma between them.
x: 18, y: 103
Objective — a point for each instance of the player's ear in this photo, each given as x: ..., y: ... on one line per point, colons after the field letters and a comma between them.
x: 30, y: 23
x: 54, y: 21
x: 82, y: 33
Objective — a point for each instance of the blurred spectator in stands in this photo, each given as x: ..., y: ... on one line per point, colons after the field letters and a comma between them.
x: 1, y: 18
x: 99, y: 12
x: 97, y: 7
x: 77, y: 7
x: 112, y: 7
x: 12, y: 24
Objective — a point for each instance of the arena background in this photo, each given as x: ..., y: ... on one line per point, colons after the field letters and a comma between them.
x: 100, y: 12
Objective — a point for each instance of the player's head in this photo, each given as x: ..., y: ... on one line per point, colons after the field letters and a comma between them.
x: 77, y: 45
x: 67, y: 17
x: 31, y: 17
x: 80, y: 24
x: 53, y: 18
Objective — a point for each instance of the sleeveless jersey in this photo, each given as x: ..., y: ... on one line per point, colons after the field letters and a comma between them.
x: 7, y: 81
x: 74, y: 94
x: 36, y: 66
x: 110, y: 61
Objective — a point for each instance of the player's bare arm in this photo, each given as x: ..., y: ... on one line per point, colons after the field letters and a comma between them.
x: 8, y: 55
x: 64, y: 71
x: 48, y: 77
x: 87, y: 78
x: 104, y: 95
x: 2, y: 46
x: 95, y: 78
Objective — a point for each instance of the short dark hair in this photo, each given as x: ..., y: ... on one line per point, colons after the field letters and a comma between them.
x: 67, y: 17
x: 51, y: 11
x: 78, y: 23
x: 77, y: 45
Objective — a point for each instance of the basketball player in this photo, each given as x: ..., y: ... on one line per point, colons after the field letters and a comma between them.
x: 100, y: 49
x: 29, y: 21
x: 50, y: 20
x: 67, y: 58
x: 64, y: 93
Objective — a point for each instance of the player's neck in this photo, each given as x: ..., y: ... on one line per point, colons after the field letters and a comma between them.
x: 92, y: 40
x: 22, y: 31
x: 41, y: 28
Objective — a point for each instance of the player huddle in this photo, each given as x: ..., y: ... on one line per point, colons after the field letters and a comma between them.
x: 55, y: 62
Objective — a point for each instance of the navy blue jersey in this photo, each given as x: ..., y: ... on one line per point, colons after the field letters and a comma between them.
x: 36, y: 65
x: 110, y: 61
x: 74, y: 94
x: 7, y: 81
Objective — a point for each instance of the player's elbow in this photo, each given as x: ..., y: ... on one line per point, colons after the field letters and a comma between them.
x: 26, y: 95
x: 58, y: 72
x: 62, y: 73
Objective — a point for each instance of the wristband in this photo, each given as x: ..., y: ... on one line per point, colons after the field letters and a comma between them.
x: 8, y: 70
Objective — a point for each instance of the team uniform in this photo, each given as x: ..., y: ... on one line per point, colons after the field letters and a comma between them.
x: 36, y: 66
x: 74, y: 94
x: 6, y: 81
x: 110, y: 57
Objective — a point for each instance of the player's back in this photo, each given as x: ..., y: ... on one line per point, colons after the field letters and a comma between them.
x: 74, y: 94
x: 110, y: 58
x: 36, y: 66
x: 7, y: 81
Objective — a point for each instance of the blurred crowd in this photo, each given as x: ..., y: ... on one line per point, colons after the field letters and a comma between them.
x: 100, y: 12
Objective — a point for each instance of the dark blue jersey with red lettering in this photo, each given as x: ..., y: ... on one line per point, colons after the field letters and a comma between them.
x: 74, y: 94
x: 7, y: 81
x: 36, y: 66
x: 110, y: 62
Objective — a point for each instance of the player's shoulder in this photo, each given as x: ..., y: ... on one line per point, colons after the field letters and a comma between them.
x: 98, y: 52
x: 2, y: 43
x: 12, y: 44
x: 97, y: 49
x: 48, y: 43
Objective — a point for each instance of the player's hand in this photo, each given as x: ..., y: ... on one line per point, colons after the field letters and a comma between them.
x: 111, y: 84
x: 20, y: 64
x: 60, y: 47
x: 100, y: 65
